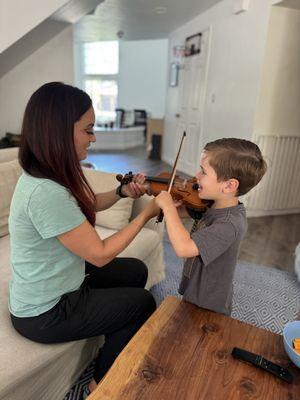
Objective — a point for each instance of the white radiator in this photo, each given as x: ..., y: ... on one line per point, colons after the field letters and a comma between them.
x: 279, y: 190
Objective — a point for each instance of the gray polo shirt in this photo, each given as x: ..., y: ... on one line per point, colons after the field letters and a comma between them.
x: 207, y: 278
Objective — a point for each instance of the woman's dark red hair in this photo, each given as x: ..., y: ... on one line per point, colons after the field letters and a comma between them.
x: 47, y: 147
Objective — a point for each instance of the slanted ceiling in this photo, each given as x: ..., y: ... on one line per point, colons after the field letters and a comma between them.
x: 295, y: 4
x: 138, y: 19
x: 44, y: 32
x: 102, y: 19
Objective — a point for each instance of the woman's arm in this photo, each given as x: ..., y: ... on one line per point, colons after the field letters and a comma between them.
x: 86, y: 243
x: 133, y: 189
x: 106, y: 200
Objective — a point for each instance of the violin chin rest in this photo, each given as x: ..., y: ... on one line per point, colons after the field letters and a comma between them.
x: 177, y: 197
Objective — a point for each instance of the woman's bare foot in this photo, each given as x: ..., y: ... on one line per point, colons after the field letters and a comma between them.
x: 92, y: 385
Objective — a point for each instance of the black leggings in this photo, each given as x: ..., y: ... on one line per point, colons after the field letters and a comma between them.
x: 111, y: 301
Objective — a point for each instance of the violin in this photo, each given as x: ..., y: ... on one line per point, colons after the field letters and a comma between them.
x: 185, y: 190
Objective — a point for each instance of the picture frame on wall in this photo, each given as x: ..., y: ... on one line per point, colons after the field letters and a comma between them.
x: 174, y: 70
x: 193, y: 45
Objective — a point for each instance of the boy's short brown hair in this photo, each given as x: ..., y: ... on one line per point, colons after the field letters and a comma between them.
x: 239, y: 159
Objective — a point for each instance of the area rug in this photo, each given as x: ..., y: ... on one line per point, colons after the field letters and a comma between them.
x: 262, y: 296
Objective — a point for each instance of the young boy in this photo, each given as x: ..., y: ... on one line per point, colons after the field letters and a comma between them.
x: 229, y: 168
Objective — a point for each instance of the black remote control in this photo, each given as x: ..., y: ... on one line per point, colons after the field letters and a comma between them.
x: 261, y: 362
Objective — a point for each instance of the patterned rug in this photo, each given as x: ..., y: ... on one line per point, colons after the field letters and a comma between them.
x: 262, y: 296
x: 76, y: 391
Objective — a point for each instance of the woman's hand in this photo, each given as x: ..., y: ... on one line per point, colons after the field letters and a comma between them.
x: 137, y: 187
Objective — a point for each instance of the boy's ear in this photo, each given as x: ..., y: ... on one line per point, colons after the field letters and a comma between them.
x: 231, y: 185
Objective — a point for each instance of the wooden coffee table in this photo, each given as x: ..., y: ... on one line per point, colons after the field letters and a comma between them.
x: 184, y: 352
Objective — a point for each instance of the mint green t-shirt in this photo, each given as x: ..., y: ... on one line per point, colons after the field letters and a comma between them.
x: 43, y: 269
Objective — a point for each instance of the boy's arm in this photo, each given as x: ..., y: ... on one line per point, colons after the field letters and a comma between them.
x: 179, y: 237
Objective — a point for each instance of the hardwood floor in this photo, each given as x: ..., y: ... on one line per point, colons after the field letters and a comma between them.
x: 120, y: 161
x: 270, y: 241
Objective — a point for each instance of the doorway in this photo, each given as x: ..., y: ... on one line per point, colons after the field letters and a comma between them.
x: 192, y: 90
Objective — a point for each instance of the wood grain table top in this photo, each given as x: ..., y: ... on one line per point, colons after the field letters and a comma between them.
x: 184, y: 352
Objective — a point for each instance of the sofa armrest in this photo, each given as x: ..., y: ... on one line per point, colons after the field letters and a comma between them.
x: 138, y: 205
x: 9, y: 154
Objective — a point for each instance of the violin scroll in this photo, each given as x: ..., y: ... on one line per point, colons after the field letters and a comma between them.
x: 124, y: 179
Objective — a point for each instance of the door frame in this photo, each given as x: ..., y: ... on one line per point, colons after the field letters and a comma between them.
x: 203, y: 98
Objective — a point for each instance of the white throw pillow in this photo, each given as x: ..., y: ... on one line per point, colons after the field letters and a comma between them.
x: 10, y: 172
x: 117, y: 216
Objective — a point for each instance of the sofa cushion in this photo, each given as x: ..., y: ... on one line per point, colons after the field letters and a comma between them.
x: 117, y: 216
x: 10, y: 172
x: 9, y: 154
x: 26, y: 366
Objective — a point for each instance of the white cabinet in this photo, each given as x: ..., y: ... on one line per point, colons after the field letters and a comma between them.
x: 118, y: 138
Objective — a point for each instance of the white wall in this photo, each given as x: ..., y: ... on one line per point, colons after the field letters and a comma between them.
x: 143, y: 75
x: 279, y: 100
x: 18, y: 17
x: 234, y: 71
x: 52, y: 62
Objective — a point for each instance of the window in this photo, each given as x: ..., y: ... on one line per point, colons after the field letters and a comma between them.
x: 100, y: 80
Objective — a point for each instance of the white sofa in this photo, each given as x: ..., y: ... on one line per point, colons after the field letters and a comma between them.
x: 30, y: 370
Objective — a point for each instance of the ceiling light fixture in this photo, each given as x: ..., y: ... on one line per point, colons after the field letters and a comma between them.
x: 160, y: 10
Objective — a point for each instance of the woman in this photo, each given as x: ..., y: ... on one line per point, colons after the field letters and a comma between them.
x: 55, y: 296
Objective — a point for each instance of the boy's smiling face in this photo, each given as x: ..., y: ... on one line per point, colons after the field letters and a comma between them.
x: 209, y: 186
x: 222, y: 192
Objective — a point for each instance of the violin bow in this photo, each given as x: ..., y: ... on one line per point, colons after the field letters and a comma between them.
x: 160, y: 216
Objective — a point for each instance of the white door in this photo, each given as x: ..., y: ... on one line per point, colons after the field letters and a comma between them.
x: 192, y: 85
